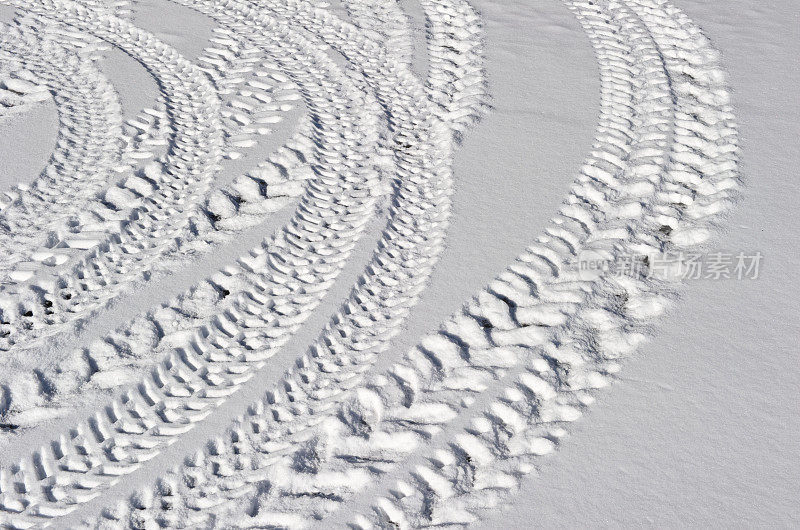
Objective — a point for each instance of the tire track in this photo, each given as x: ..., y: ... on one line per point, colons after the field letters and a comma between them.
x: 386, y: 23
x: 399, y: 244
x: 330, y: 219
x: 250, y: 199
x: 195, y: 124
x: 450, y: 430
x: 86, y: 149
x: 525, y: 399
x: 359, y: 315
x: 484, y: 456
x: 456, y: 74
x: 229, y: 209
x: 252, y: 99
x: 291, y: 479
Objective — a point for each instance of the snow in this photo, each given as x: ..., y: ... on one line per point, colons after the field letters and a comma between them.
x: 701, y: 429
x: 286, y: 263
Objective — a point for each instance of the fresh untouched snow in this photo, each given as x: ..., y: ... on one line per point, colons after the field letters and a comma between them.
x: 292, y: 263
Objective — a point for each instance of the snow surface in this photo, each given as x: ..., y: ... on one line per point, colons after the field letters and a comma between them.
x: 703, y: 428
x: 171, y: 359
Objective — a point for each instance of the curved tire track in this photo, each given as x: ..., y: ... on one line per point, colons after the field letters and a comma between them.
x: 528, y: 352
x: 450, y: 430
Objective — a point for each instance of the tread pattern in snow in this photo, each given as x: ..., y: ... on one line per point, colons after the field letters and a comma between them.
x: 350, y: 436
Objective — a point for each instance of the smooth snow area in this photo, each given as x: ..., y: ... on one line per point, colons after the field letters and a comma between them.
x: 181, y: 27
x: 311, y: 264
x: 28, y: 140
